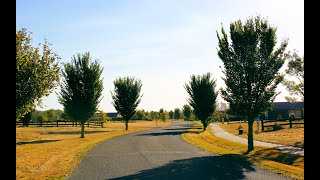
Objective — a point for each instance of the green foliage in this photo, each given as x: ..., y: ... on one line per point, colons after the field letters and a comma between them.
x: 192, y: 117
x: 41, y: 118
x: 27, y: 118
x: 147, y: 115
x: 100, y: 116
x: 135, y: 116
x: 274, y: 114
x: 152, y: 115
x: 126, y: 96
x: 37, y: 74
x: 201, y: 90
x: 295, y: 69
x: 187, y: 111
x: 218, y: 115
x: 292, y: 116
x: 251, y: 66
x: 141, y: 115
x: 156, y: 115
x: 81, y: 88
x: 64, y: 116
x: 276, y: 127
x: 164, y: 116
x: 176, y: 114
x: 171, y: 114
x: 51, y: 114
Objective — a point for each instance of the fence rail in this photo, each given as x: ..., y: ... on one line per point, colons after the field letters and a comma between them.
x: 61, y: 123
x: 289, y: 122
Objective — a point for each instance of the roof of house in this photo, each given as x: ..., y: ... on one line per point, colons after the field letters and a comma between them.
x: 287, y: 105
x: 112, y: 114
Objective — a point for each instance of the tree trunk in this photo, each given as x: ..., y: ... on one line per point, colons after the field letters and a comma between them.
x: 250, y: 135
x: 290, y: 121
x: 127, y: 124
x: 82, y: 130
x: 204, y: 125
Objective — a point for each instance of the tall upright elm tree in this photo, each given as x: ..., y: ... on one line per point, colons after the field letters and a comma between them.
x: 37, y: 73
x: 81, y: 88
x: 126, y: 96
x: 251, y: 66
x: 176, y: 113
x: 171, y: 114
x: 202, y: 97
x: 187, y: 111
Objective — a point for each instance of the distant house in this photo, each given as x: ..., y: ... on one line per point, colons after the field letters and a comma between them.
x: 284, y: 109
x: 114, y: 115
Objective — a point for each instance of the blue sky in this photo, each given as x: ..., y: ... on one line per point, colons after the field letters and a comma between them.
x: 160, y: 42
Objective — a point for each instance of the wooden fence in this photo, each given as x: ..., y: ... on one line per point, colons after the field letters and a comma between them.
x: 60, y: 123
x: 281, y: 122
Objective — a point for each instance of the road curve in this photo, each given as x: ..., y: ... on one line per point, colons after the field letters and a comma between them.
x: 160, y: 153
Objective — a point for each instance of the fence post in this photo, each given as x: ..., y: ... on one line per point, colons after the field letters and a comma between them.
x: 40, y: 123
x: 262, y: 126
x: 88, y: 123
x: 57, y: 124
x: 290, y: 120
x: 72, y: 123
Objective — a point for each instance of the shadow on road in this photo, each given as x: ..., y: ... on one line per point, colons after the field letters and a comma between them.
x: 174, y: 133
x: 184, y: 128
x: 209, y: 167
x: 171, y: 131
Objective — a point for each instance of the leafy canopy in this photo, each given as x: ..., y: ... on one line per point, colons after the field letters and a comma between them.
x: 187, y: 111
x: 126, y: 96
x: 202, y: 97
x: 37, y: 73
x: 251, y: 66
x: 176, y: 114
x: 81, y: 88
x: 295, y: 69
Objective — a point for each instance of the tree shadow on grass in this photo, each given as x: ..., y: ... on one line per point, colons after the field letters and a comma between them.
x: 285, y: 158
x: 36, y: 142
x: 208, y: 167
x: 299, y: 144
x: 78, y: 132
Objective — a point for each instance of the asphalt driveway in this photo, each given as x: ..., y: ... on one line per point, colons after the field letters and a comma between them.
x: 161, y: 153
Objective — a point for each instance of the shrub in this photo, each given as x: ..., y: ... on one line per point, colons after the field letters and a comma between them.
x: 292, y: 115
x: 276, y: 127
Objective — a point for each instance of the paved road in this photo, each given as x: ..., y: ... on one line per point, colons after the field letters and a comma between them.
x: 161, y: 153
x: 218, y: 131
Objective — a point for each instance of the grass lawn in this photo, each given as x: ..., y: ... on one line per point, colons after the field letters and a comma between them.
x: 285, y: 136
x: 271, y: 159
x: 53, y: 152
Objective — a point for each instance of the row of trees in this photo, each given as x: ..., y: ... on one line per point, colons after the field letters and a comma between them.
x: 251, y: 75
x: 38, y: 74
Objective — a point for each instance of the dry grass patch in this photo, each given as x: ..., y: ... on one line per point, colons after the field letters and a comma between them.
x: 286, y: 136
x: 271, y: 159
x: 53, y: 152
